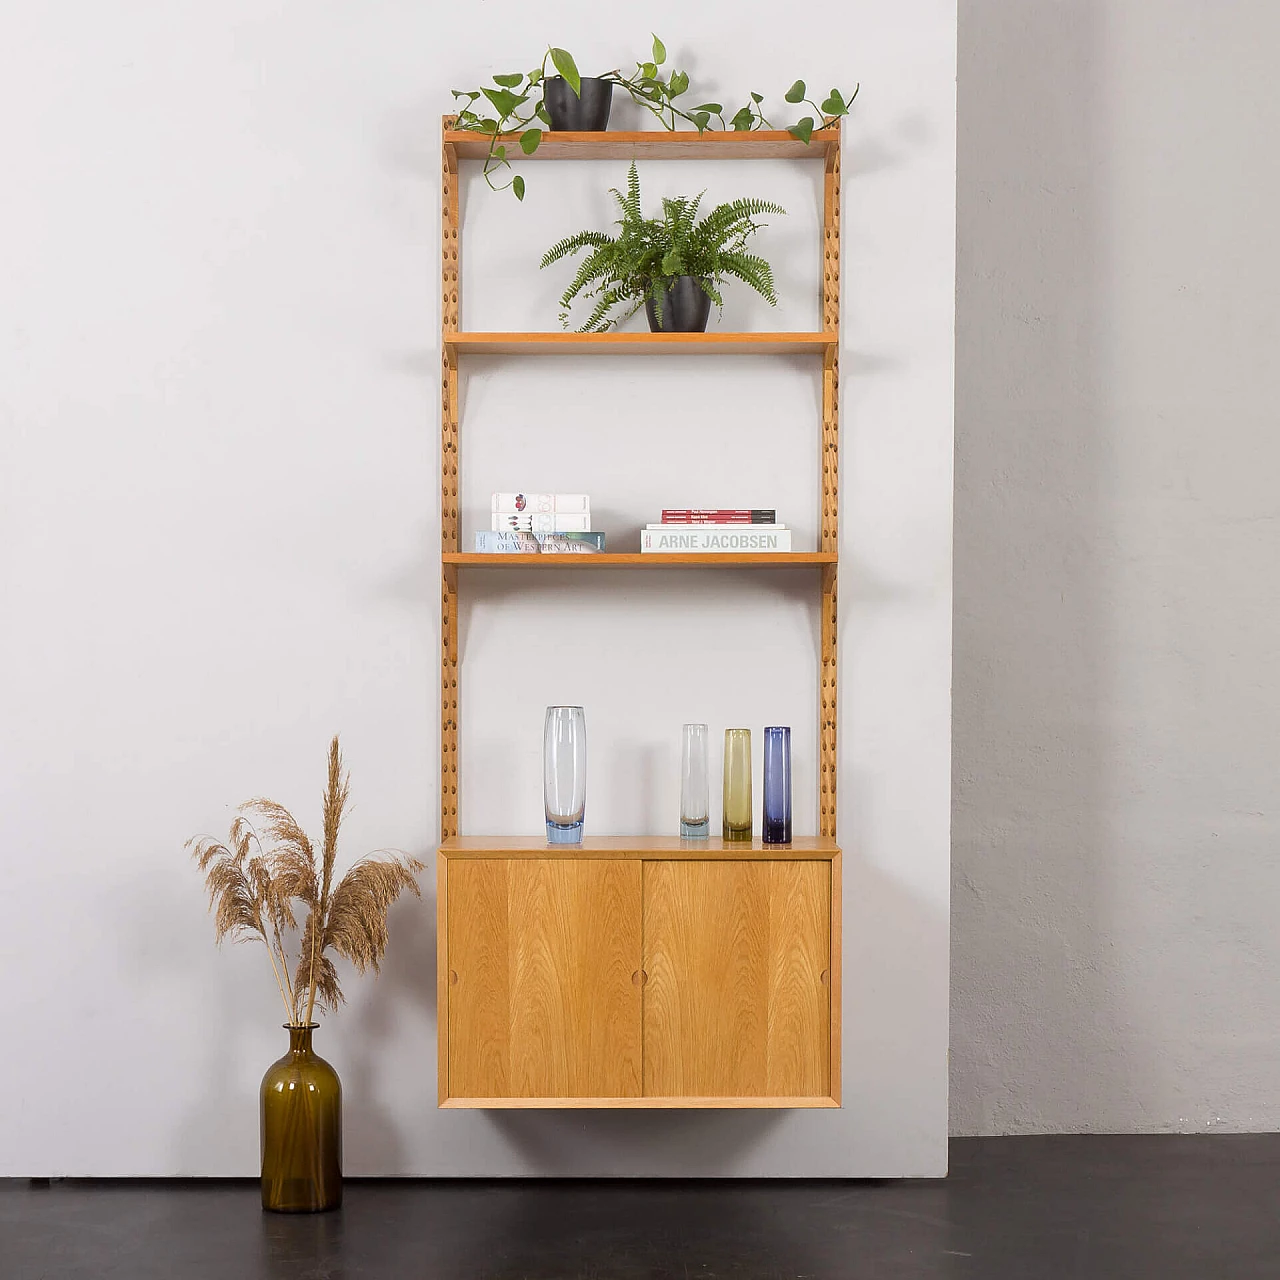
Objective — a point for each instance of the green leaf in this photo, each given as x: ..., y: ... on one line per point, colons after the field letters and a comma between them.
x: 517, y: 185
x: 743, y: 120
x: 504, y: 101
x: 659, y: 51
x: 701, y: 119
x: 541, y: 112
x: 529, y: 140
x: 508, y: 81
x: 803, y: 130
x: 678, y: 84
x: 714, y: 107
x: 648, y: 71
x: 500, y: 153
x: 834, y: 104
x: 470, y: 94
x: 566, y: 66
x: 757, y: 98
x: 796, y: 92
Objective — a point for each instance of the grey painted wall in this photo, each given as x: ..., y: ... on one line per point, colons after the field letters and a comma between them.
x: 1117, y: 698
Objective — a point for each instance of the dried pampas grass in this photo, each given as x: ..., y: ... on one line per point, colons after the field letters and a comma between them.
x: 258, y: 877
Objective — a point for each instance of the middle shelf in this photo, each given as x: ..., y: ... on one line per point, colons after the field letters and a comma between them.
x: 640, y: 560
x: 719, y: 342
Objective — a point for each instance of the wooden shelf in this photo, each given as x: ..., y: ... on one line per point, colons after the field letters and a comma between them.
x: 642, y: 560
x: 577, y: 344
x: 637, y: 1104
x: 652, y: 145
x: 809, y: 848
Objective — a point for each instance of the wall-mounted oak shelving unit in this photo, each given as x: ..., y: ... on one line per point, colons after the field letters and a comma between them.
x: 639, y: 971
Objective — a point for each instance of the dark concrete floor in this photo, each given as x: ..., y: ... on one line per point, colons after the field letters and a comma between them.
x: 1064, y: 1208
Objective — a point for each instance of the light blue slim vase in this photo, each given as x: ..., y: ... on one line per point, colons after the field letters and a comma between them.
x: 564, y: 773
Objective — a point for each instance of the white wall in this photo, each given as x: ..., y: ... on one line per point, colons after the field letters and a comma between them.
x: 218, y: 542
x: 1117, y: 597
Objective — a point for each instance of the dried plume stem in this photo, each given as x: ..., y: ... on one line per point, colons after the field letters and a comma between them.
x: 255, y: 896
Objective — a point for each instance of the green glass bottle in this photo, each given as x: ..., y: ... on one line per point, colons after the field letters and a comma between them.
x: 301, y: 1130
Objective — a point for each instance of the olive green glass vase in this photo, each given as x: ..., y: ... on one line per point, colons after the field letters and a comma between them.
x: 301, y: 1130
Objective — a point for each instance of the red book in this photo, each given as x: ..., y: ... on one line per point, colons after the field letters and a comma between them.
x: 724, y: 515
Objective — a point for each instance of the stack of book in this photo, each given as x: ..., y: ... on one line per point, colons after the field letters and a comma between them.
x: 539, y: 523
x: 735, y: 529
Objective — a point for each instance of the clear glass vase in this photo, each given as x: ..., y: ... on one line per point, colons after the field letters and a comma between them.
x: 564, y: 773
x: 775, y: 828
x: 695, y: 800
x: 737, y: 784
x: 301, y: 1112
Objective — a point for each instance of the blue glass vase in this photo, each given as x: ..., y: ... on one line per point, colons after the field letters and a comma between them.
x: 776, y: 826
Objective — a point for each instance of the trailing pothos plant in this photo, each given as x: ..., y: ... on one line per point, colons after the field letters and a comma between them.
x: 513, y: 105
x: 623, y: 272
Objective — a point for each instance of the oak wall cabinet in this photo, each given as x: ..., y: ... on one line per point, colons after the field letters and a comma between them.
x: 639, y: 971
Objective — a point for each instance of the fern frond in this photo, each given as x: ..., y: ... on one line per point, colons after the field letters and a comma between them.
x: 596, y: 322
x: 751, y: 270
x: 631, y: 205
x: 598, y: 265
x: 712, y: 290
x: 657, y: 293
x: 725, y: 220
x: 571, y: 244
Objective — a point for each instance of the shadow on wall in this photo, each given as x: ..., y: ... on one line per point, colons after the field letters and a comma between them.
x: 403, y: 993
x: 1038, y: 1019
x: 615, y: 1142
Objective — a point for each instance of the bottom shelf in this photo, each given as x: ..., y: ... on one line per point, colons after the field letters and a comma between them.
x: 821, y: 848
x: 650, y: 1104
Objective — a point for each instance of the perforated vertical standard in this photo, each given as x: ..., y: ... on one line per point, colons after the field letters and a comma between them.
x: 828, y: 694
x: 450, y: 530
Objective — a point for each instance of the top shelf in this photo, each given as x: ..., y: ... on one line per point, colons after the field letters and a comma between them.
x: 654, y: 145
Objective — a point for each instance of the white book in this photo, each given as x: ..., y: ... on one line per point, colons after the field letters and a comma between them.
x: 544, y: 503
x: 541, y: 522
x: 739, y: 538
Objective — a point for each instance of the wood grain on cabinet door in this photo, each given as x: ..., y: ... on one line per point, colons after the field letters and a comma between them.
x: 736, y: 1003
x: 545, y: 952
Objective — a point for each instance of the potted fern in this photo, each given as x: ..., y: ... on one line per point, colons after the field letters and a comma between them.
x: 257, y: 882
x: 674, y: 266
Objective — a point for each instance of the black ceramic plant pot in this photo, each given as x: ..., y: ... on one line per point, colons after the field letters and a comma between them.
x: 685, y: 308
x: 586, y: 114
